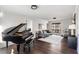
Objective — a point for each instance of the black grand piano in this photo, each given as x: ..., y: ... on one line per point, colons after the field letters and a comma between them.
x: 18, y: 37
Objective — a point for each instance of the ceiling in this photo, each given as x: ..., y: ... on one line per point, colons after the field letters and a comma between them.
x: 43, y: 11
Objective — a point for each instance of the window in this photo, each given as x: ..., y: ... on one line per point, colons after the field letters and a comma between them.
x: 55, y: 27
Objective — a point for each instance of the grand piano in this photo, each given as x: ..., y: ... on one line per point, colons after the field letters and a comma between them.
x: 16, y: 36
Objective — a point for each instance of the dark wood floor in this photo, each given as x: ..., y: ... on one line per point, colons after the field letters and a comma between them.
x: 41, y: 47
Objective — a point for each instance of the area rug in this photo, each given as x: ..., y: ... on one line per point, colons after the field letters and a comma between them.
x: 53, y: 39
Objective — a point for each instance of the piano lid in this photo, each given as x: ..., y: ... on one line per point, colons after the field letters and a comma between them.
x: 14, y: 29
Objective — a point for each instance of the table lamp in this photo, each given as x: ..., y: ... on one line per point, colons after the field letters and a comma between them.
x: 72, y: 28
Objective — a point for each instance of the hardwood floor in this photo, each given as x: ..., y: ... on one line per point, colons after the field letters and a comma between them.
x: 41, y: 47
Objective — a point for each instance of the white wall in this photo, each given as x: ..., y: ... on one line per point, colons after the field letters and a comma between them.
x: 39, y: 21
x: 35, y: 23
x: 65, y: 24
x: 29, y: 24
x: 10, y: 19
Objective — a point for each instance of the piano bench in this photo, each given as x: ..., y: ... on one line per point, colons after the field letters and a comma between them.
x: 28, y: 44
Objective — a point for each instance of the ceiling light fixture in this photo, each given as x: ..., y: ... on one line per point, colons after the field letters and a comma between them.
x: 54, y: 17
x: 34, y: 7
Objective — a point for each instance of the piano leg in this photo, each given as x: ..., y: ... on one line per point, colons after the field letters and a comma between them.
x: 24, y: 48
x: 29, y: 49
x: 7, y: 44
x: 18, y: 48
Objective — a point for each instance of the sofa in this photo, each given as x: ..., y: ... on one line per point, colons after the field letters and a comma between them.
x: 43, y: 33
